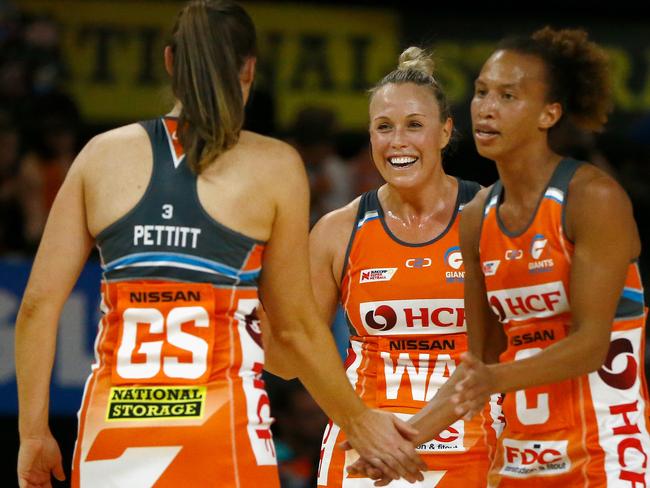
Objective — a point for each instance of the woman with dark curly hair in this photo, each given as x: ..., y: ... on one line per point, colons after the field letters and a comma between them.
x: 553, y: 294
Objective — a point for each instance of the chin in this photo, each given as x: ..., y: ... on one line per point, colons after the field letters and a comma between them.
x: 403, y: 183
x: 487, y: 151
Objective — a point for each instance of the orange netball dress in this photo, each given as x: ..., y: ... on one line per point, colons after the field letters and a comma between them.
x: 590, y: 431
x: 404, y: 306
x: 175, y: 397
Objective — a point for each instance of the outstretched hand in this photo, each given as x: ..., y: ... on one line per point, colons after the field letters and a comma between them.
x: 385, y: 444
x: 38, y: 460
x: 362, y: 468
x: 473, y: 391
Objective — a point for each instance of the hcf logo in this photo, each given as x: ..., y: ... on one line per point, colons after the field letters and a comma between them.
x: 432, y: 316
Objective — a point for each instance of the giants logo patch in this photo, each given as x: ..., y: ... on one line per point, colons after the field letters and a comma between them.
x: 537, y: 301
x: 537, y: 246
x: 522, y: 459
x: 376, y: 274
x: 413, y: 316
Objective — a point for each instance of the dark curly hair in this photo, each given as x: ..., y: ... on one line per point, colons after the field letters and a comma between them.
x: 577, y: 73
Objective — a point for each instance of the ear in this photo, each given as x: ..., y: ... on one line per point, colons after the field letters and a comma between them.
x: 169, y: 60
x: 550, y: 115
x: 246, y: 76
x: 447, y: 130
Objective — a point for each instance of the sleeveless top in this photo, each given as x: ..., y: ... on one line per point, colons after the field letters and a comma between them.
x: 594, y: 426
x: 404, y: 304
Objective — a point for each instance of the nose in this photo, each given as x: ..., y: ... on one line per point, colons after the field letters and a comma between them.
x: 485, y: 106
x: 399, y: 139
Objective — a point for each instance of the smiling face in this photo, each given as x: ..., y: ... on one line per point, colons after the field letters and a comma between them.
x: 510, y: 110
x: 406, y: 134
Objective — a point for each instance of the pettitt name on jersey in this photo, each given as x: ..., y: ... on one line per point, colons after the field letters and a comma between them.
x: 165, y: 235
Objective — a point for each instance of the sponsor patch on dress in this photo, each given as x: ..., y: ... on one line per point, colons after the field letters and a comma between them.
x: 524, y: 458
x: 156, y: 402
x: 376, y: 274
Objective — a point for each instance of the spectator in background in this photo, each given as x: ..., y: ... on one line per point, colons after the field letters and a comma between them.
x: 31, y: 62
x: 11, y: 236
x: 314, y: 137
x: 581, y: 145
x: 42, y: 170
x: 297, y: 433
x: 46, y: 68
x: 354, y: 148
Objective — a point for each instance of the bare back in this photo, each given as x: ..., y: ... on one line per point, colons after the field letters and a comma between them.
x: 237, y: 189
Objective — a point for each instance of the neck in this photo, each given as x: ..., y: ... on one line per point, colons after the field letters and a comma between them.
x: 526, y: 175
x: 417, y: 204
x: 176, y: 111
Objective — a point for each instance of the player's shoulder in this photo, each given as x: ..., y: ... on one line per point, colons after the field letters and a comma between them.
x: 116, y: 146
x: 332, y: 231
x: 592, y: 184
x: 475, y: 207
x: 268, y: 150
x: 594, y: 195
x: 341, y: 218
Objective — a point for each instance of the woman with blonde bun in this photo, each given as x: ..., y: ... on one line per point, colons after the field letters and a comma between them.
x: 391, y: 258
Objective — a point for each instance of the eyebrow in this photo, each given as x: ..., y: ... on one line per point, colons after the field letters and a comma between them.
x: 502, y: 85
x: 408, y: 115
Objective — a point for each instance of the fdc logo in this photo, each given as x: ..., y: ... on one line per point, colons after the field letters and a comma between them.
x: 526, y: 458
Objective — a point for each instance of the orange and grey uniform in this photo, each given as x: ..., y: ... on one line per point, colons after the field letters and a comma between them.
x: 589, y: 431
x: 405, y: 309
x: 175, y: 397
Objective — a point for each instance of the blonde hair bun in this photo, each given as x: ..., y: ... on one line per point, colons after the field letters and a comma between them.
x: 415, y: 58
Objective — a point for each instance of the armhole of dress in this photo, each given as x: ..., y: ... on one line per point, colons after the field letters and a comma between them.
x: 149, y: 127
x: 494, y: 190
x: 468, y: 190
x: 363, y: 203
x: 565, y: 177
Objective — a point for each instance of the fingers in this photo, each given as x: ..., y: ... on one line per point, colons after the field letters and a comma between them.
x: 58, y: 472
x: 406, y: 430
x: 378, y: 438
x: 361, y: 468
x: 469, y: 359
x: 414, y: 461
x: 345, y: 445
x: 405, y: 465
x: 382, y: 482
x: 387, y: 468
x: 472, y: 392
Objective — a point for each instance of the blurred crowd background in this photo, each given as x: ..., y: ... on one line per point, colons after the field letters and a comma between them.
x: 70, y: 69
